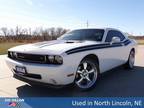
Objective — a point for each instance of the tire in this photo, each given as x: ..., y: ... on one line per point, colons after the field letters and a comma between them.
x: 86, y: 75
x: 131, y: 60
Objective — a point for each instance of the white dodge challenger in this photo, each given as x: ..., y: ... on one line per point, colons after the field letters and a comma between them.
x: 77, y: 57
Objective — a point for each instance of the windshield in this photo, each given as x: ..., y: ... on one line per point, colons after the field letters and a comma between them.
x: 84, y: 34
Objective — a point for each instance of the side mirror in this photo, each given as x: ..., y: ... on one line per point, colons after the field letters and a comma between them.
x: 115, y: 40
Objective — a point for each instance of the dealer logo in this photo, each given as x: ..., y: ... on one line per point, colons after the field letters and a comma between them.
x: 14, y: 105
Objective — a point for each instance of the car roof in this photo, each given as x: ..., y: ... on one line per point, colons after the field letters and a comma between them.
x: 106, y: 29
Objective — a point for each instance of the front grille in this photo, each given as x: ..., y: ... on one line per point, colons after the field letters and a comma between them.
x: 31, y: 58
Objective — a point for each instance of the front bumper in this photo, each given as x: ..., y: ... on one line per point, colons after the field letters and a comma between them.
x: 24, y: 79
x: 45, y: 73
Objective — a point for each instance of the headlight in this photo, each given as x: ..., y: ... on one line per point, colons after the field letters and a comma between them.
x: 59, y: 59
x: 15, y: 54
x: 55, y: 59
x: 11, y: 54
x: 51, y: 58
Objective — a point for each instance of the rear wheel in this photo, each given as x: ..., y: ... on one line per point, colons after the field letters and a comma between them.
x: 87, y: 74
x: 131, y: 60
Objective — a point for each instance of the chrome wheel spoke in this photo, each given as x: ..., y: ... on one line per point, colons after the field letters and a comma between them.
x: 80, y: 80
x: 79, y: 71
x: 85, y: 65
x: 88, y: 79
x: 91, y: 71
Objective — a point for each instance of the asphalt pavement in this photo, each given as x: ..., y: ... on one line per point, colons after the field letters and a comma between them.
x: 117, y: 82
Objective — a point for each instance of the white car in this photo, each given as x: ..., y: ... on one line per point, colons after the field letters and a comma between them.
x: 76, y: 57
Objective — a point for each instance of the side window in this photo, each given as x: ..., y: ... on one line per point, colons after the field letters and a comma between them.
x: 113, y: 33
x: 109, y: 36
x: 121, y: 36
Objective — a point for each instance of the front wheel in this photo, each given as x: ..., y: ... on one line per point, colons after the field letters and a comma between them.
x: 87, y: 74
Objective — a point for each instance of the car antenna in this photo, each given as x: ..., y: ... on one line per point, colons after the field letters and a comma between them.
x: 87, y: 23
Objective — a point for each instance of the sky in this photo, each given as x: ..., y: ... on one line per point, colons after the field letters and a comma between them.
x: 126, y: 15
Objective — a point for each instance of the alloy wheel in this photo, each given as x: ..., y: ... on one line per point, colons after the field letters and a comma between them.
x: 86, y: 75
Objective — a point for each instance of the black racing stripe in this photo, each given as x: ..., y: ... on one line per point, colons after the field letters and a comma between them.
x: 128, y: 42
x: 98, y: 46
x: 92, y: 48
x: 88, y: 46
x: 120, y: 43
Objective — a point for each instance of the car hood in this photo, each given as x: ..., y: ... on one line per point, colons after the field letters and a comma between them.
x: 51, y: 47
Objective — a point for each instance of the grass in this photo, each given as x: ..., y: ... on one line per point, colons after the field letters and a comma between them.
x: 5, y: 46
x: 140, y: 42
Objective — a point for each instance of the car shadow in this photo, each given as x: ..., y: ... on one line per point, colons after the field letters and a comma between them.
x: 118, y: 82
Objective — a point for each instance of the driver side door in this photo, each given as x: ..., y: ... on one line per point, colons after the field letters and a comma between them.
x: 114, y: 54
